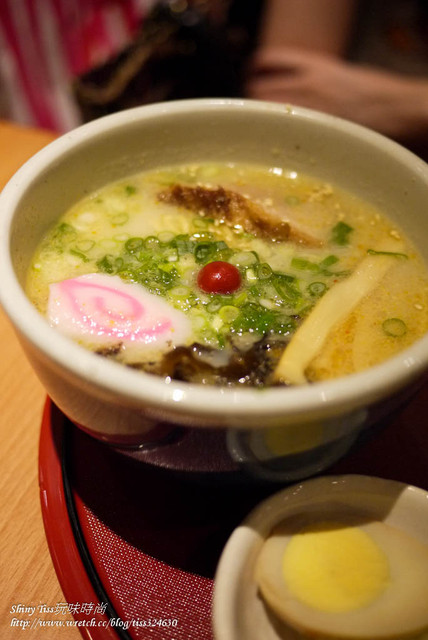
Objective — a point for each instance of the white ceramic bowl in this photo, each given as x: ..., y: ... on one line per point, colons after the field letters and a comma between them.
x: 118, y: 404
x: 238, y: 610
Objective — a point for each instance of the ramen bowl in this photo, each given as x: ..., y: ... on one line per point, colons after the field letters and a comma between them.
x: 315, y: 424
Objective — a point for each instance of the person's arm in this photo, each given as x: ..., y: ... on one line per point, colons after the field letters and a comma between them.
x: 320, y: 25
x: 393, y: 104
x: 300, y: 61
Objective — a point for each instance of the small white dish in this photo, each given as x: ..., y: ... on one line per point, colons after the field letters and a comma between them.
x: 239, y: 613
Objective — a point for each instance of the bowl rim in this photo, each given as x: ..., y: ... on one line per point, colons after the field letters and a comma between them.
x: 188, y: 398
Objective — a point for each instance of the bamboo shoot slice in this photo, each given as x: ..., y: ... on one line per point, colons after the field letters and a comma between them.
x: 333, y: 308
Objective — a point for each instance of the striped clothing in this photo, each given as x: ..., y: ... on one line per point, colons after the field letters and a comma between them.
x: 44, y: 44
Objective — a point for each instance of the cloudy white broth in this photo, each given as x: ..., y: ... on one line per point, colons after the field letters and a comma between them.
x: 230, y: 274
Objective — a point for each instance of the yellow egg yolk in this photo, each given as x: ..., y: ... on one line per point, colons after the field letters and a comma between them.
x: 335, y: 568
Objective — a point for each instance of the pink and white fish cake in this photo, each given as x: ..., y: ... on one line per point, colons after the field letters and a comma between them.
x: 101, y: 310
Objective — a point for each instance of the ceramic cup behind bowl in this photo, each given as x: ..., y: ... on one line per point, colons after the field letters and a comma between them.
x: 117, y: 404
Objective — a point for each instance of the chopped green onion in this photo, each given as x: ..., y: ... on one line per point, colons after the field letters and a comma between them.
x: 85, y: 245
x: 204, y: 251
x: 151, y: 242
x: 65, y: 228
x: 108, y: 244
x: 317, y: 288
x: 134, y: 244
x: 106, y: 264
x: 340, y: 233
x: 373, y: 252
x: 254, y: 318
x: 241, y: 299
x: 214, y: 305
x: 79, y: 254
x: 180, y: 292
x: 130, y: 189
x: 394, y: 327
x: 171, y: 255
x: 286, y: 287
x: 142, y: 256
x: 62, y: 235
x: 250, y: 275
x: 243, y: 259
x: 127, y: 274
x: 287, y: 294
x: 206, y: 236
x: 328, y: 261
x: 267, y: 303
x: 183, y: 244
x: 119, y: 219
x: 264, y: 271
x: 267, y: 290
x: 167, y: 277
x: 304, y: 265
x: 202, y: 223
x: 166, y: 236
x: 168, y: 267
x: 229, y: 313
x: 284, y: 277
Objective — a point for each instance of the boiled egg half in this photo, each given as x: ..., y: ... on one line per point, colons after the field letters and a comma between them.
x: 352, y: 578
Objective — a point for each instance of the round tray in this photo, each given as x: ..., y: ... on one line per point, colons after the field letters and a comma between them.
x: 139, y: 542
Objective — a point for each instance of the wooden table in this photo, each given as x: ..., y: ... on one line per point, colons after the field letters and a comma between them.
x: 27, y: 574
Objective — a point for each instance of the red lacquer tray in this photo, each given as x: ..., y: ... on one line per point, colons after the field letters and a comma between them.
x: 140, y: 542
x: 137, y: 536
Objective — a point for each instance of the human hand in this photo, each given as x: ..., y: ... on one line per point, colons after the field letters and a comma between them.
x: 394, y: 105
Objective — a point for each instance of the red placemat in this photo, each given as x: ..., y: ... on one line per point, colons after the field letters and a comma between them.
x: 138, y: 543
